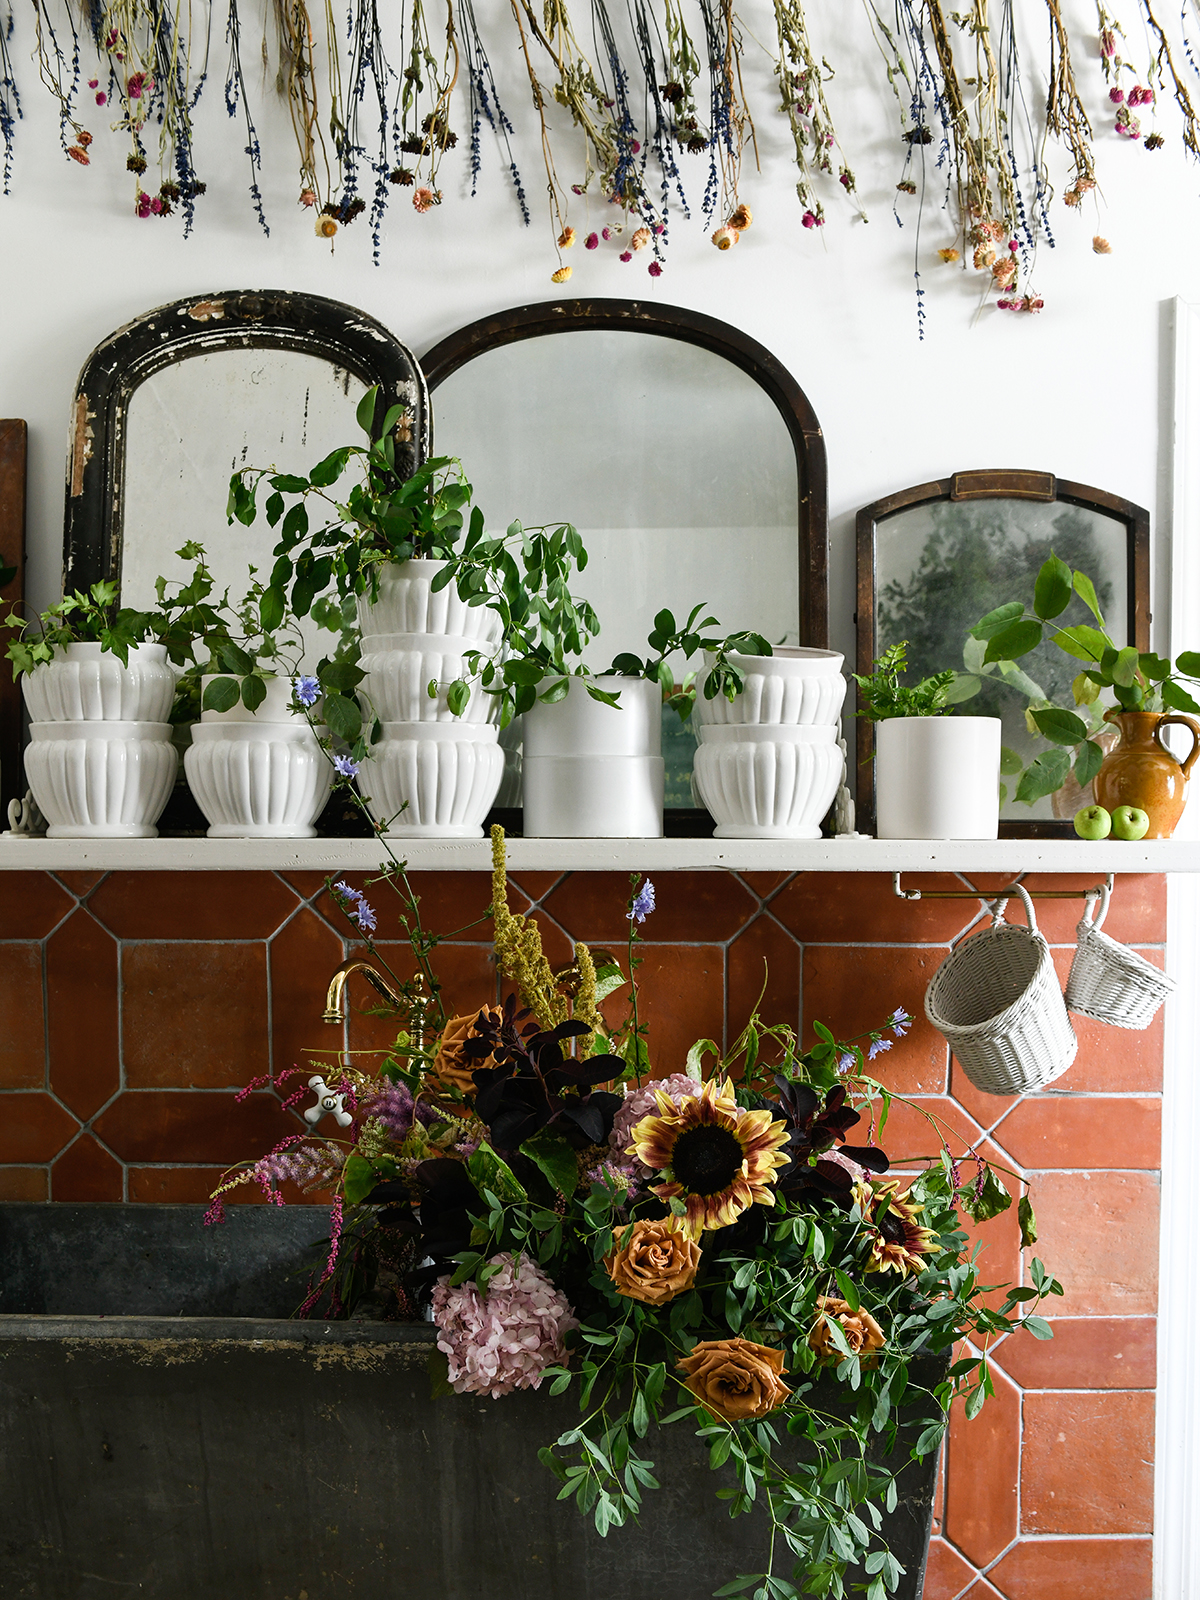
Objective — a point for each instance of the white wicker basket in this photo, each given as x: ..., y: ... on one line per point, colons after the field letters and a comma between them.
x: 1110, y: 982
x: 997, y: 1001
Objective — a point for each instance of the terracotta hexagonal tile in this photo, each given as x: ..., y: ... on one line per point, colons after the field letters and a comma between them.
x: 301, y: 959
x: 947, y: 1575
x: 187, y: 1186
x: 84, y: 1171
x: 855, y: 988
x: 1068, y: 1569
x: 1048, y: 1130
x: 24, y: 1183
x: 81, y: 990
x: 34, y: 1128
x: 982, y: 1465
x: 1099, y: 1235
x: 31, y: 905
x: 862, y: 908
x: 1087, y: 1463
x: 192, y: 1127
x: 681, y: 995
x: 193, y: 1016
x: 692, y: 907
x: 764, y: 953
x: 22, y: 1019
x: 1085, y: 1353
x: 192, y: 905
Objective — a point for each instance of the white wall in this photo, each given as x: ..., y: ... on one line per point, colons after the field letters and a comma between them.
x: 1079, y: 390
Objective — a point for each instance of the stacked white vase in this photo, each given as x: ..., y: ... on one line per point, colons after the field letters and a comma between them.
x: 100, y: 762
x: 769, y: 763
x: 433, y: 775
x: 258, y: 774
x: 593, y: 770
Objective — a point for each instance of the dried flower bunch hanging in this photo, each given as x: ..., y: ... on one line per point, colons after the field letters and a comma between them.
x: 632, y: 107
x: 699, y: 1247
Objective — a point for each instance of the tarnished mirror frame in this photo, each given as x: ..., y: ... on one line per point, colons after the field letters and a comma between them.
x: 675, y: 322
x: 13, y: 436
x: 254, y: 320
x: 989, y: 484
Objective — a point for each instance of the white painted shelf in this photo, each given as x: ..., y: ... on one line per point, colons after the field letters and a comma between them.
x: 605, y: 855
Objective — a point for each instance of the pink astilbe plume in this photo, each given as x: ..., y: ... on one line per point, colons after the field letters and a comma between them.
x: 505, y: 1338
x: 390, y: 1104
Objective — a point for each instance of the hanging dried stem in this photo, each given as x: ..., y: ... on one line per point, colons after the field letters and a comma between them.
x: 485, y: 103
x: 801, y: 80
x: 554, y: 190
x: 1066, y: 118
x: 296, y: 82
x: 1163, y: 60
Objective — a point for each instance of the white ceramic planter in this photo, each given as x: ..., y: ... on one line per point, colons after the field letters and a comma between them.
x: 264, y: 782
x: 276, y: 707
x: 937, y: 777
x: 795, y: 685
x: 399, y: 668
x: 768, y: 783
x: 106, y: 780
x: 407, y: 603
x: 447, y: 772
x: 86, y: 684
x: 592, y: 770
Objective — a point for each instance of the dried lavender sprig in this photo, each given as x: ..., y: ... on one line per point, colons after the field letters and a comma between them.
x: 235, y: 96
x: 485, y: 103
x: 10, y: 101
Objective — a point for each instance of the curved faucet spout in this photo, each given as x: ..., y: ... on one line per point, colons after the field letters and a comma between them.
x: 335, y: 999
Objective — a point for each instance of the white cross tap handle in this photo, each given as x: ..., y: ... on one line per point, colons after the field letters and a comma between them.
x: 327, y: 1101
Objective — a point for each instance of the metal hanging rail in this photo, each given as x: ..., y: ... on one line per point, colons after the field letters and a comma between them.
x: 1006, y: 893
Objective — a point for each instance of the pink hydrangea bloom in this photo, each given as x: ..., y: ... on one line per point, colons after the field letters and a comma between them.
x: 505, y: 1338
x: 641, y: 1103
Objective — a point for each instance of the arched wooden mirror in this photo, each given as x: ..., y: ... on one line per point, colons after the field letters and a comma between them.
x: 686, y: 454
x: 169, y: 405
x: 933, y: 559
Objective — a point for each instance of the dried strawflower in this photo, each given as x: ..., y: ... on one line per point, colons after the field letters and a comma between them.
x: 566, y: 238
x: 907, y: 186
x: 741, y: 218
x: 308, y: 197
x: 561, y: 275
x: 77, y: 154
x: 505, y: 1338
x: 725, y: 238
x: 403, y: 176
x: 1154, y: 141
x: 1101, y: 246
x: 949, y: 255
x: 984, y: 256
x: 1004, y: 274
x: 135, y: 164
x: 424, y: 199
x: 641, y: 238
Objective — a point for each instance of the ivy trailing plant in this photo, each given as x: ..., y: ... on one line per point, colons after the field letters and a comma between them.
x: 669, y: 637
x: 1135, y: 680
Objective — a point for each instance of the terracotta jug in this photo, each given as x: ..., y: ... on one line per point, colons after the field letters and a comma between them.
x: 1142, y: 772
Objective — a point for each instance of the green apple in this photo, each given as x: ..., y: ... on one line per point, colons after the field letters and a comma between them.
x: 1093, y: 822
x: 1128, y: 822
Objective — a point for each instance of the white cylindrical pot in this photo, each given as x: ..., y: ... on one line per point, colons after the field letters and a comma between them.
x: 794, y: 685
x: 577, y: 725
x: 265, y: 781
x: 593, y: 797
x: 937, y: 777
x: 106, y: 780
x: 87, y: 684
x: 769, y: 783
x: 443, y: 774
x: 400, y: 667
x: 407, y: 603
x: 277, y: 707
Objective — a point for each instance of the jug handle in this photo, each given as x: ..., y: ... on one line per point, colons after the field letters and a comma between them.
x: 1188, y: 722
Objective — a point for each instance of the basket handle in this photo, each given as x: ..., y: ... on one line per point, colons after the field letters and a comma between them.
x: 998, y: 915
x: 1097, y: 898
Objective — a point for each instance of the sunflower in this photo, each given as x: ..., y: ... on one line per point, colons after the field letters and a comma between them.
x: 715, y: 1157
x: 898, y: 1241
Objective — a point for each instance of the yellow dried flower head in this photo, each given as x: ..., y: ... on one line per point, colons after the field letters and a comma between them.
x: 561, y: 275
x: 949, y: 255
x: 566, y: 238
x: 640, y: 238
x: 1101, y: 246
x: 725, y: 238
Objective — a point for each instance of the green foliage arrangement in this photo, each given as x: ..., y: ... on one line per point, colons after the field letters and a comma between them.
x: 668, y: 637
x: 1135, y: 680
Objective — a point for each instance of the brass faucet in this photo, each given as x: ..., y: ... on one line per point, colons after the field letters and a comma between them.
x: 414, y: 1003
x: 335, y: 1000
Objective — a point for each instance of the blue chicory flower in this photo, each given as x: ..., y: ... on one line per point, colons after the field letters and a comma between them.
x: 308, y: 691
x: 900, y: 1022
x: 878, y: 1046
x: 845, y: 1061
x: 344, y: 767
x: 643, y: 903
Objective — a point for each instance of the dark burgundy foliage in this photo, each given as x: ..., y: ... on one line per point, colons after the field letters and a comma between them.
x: 533, y: 1085
x: 814, y: 1129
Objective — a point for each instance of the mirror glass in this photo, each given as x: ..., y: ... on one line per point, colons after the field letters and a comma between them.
x: 190, y: 425
x: 674, y: 464
x: 942, y: 565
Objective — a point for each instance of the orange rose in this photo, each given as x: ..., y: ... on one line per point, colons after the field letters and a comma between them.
x: 656, y: 1264
x: 735, y: 1380
x: 451, y: 1067
x: 863, y: 1333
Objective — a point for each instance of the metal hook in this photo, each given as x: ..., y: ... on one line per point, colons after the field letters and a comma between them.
x: 994, y: 896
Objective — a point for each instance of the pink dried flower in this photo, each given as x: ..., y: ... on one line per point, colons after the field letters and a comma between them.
x: 626, y: 255
x: 1108, y: 44
x: 93, y: 82
x: 606, y: 233
x: 392, y: 1105
x: 505, y: 1338
x: 101, y: 98
x: 136, y: 84
x: 591, y: 242
x: 424, y: 199
x: 1117, y: 96
x: 655, y: 269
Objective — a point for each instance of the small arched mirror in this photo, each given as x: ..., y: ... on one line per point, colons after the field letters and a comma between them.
x: 174, y: 402
x: 935, y: 558
x: 686, y: 455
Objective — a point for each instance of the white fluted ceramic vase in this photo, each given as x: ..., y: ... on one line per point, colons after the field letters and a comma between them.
x: 408, y: 603
x: 400, y: 667
x: 432, y: 780
x: 101, y: 780
x: 266, y: 781
x: 768, y: 782
x: 87, y: 684
x: 795, y: 686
